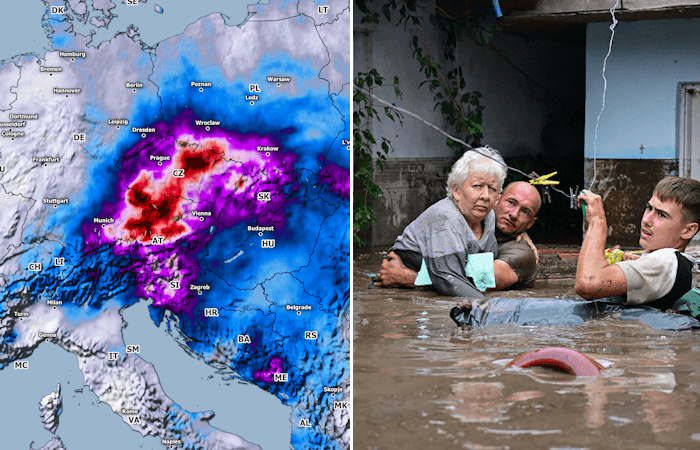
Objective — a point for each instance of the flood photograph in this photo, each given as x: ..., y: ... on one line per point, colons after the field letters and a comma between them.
x: 526, y: 208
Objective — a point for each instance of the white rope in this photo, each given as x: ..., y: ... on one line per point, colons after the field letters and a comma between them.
x: 605, y: 86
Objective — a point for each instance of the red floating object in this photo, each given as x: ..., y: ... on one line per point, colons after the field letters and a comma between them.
x: 560, y: 358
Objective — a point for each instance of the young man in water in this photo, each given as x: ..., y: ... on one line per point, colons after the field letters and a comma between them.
x: 516, y: 264
x: 663, y: 273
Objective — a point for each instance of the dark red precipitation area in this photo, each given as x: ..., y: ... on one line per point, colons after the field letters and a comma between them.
x: 157, y: 206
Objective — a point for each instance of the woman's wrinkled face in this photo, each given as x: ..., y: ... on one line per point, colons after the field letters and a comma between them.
x: 477, y: 196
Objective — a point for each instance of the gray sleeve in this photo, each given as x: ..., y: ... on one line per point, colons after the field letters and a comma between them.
x: 494, y: 246
x: 447, y: 280
x: 445, y: 256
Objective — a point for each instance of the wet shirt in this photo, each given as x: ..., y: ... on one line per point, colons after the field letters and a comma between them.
x: 658, y: 278
x: 519, y: 257
x: 443, y: 239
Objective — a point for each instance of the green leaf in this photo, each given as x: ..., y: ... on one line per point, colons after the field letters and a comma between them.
x: 359, y: 97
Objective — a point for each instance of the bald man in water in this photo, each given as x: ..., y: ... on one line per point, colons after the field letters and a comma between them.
x: 516, y: 263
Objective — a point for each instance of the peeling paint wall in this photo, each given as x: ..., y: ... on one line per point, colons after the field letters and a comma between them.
x: 410, y: 186
x: 625, y: 186
x: 638, y: 135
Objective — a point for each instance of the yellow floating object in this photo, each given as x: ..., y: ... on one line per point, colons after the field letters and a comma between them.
x: 613, y: 256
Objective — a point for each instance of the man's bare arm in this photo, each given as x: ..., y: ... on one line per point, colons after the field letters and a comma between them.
x: 393, y: 273
x: 595, y: 278
x: 504, y: 274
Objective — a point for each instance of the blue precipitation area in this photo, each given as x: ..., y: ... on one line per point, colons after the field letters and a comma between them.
x: 241, y: 408
x: 309, y: 265
x: 84, y: 424
x: 24, y: 33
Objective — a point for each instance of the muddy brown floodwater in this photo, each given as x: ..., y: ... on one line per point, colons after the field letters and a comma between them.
x: 421, y: 382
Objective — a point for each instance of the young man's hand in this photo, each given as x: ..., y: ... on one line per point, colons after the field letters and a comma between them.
x: 594, y: 205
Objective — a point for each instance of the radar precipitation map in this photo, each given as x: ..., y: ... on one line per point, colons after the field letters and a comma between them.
x: 174, y: 225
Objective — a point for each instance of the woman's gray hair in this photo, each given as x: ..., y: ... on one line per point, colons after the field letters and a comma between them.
x: 472, y: 160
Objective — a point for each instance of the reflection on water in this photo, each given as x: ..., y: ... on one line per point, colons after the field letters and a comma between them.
x: 477, y: 402
x: 422, y: 383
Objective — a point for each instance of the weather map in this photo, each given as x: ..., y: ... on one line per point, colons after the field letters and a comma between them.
x: 174, y: 236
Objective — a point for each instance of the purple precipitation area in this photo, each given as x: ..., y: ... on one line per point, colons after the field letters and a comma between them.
x: 268, y: 376
x: 337, y: 178
x: 223, y: 173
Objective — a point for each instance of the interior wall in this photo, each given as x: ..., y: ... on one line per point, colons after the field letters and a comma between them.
x: 647, y: 62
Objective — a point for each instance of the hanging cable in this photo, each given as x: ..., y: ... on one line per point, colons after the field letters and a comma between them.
x: 605, y: 86
x: 439, y: 130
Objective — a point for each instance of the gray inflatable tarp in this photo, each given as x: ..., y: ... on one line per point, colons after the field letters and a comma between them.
x: 555, y: 311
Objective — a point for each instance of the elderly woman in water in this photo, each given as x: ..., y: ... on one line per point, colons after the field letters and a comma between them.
x: 457, y: 226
